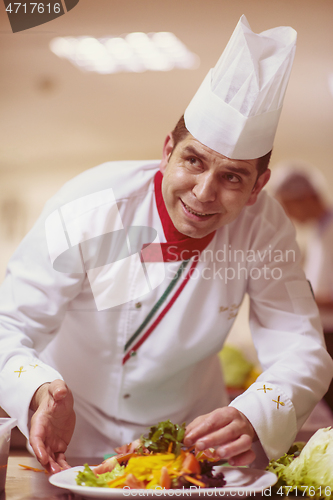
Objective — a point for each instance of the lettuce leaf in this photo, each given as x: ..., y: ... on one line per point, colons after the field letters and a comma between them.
x: 311, y: 471
x: 88, y: 478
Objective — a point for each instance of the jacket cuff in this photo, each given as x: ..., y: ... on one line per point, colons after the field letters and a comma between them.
x: 21, y: 378
x: 272, y: 416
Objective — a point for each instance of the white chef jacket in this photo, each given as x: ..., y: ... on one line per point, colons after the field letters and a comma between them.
x: 319, y: 265
x: 61, y: 325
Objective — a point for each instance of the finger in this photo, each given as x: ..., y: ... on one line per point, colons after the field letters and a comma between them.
x: 46, y: 460
x: 235, y: 448
x: 205, y: 421
x: 52, y: 467
x: 225, y: 435
x: 208, y: 424
x: 58, y: 390
x: 245, y: 458
x: 190, y: 427
x: 39, y: 450
x: 61, y: 460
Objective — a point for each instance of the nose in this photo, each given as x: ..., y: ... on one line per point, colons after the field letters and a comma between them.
x: 205, y: 188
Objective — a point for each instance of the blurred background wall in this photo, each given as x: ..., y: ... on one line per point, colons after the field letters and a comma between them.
x: 57, y: 120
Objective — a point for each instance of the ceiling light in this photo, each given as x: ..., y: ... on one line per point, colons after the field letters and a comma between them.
x: 134, y: 52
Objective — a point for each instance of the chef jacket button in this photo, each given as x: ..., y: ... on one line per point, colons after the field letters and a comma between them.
x: 138, y: 305
x: 126, y: 396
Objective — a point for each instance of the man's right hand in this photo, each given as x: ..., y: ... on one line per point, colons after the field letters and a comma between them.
x: 52, y: 424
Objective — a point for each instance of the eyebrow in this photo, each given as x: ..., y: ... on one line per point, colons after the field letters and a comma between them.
x: 237, y: 170
x: 191, y: 150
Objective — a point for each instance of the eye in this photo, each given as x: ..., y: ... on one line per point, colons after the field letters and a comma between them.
x: 233, y: 179
x: 194, y: 163
x: 193, y: 160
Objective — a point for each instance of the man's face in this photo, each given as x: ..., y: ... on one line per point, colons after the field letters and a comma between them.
x: 204, y: 190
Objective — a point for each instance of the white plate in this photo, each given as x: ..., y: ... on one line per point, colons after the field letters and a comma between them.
x: 238, y: 479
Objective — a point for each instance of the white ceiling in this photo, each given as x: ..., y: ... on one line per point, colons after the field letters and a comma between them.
x: 56, y: 119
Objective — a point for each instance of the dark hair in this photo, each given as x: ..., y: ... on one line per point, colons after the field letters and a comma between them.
x: 263, y: 162
x: 180, y: 132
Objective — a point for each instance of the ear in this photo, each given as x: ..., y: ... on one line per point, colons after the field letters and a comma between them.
x: 260, y: 183
x: 167, y: 150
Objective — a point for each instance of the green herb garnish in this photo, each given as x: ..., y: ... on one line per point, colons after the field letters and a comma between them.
x: 161, y: 435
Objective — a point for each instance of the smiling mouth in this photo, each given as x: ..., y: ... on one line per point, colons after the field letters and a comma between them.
x: 199, y: 214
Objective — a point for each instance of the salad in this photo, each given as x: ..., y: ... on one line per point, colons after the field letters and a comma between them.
x: 307, y: 469
x: 159, y: 460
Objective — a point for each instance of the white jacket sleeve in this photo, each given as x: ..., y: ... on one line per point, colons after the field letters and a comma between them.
x: 33, y: 300
x: 288, y: 337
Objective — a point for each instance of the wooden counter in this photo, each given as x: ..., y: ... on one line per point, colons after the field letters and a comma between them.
x: 24, y: 484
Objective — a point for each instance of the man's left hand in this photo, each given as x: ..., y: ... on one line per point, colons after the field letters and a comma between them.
x: 225, y: 429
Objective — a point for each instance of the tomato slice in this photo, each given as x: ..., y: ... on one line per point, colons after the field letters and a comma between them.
x: 191, y: 465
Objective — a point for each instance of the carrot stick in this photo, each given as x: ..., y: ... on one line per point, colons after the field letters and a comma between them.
x: 194, y: 481
x: 34, y: 469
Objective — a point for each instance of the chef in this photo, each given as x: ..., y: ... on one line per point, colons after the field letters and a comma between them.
x: 115, y: 304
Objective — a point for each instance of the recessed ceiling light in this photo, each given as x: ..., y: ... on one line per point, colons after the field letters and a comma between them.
x: 134, y: 52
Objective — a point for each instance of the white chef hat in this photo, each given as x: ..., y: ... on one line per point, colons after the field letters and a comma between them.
x: 237, y: 107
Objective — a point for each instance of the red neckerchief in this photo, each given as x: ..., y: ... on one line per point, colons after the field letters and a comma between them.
x: 178, y: 246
